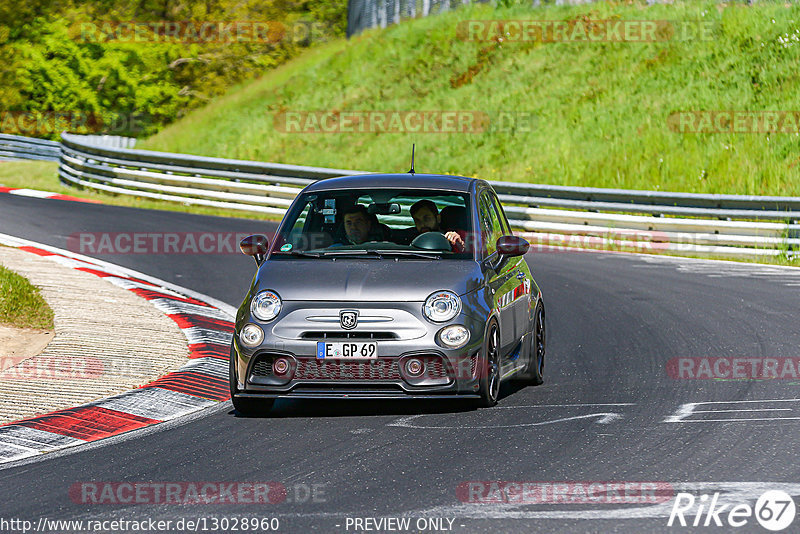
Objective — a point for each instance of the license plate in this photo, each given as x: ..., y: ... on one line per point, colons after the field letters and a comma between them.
x: 347, y: 351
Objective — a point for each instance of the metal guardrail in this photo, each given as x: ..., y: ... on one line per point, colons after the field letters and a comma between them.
x: 111, y: 141
x: 365, y: 14
x: 688, y: 223
x: 18, y: 147
x: 655, y: 198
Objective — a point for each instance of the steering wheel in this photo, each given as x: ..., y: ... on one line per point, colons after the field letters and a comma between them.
x: 431, y: 241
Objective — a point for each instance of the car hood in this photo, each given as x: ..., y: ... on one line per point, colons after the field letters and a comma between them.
x: 366, y: 280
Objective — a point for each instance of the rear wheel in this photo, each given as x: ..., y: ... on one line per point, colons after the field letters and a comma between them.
x: 490, y: 368
x: 245, y: 407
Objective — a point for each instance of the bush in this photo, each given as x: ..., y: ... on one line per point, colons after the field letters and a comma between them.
x: 134, y: 88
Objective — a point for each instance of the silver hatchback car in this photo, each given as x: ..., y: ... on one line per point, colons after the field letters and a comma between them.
x: 388, y: 286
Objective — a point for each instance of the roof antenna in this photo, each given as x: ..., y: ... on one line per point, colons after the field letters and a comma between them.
x: 411, y: 171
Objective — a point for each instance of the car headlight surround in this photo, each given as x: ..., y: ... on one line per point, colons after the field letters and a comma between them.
x: 454, y: 336
x: 266, y: 305
x: 251, y: 335
x: 442, y: 306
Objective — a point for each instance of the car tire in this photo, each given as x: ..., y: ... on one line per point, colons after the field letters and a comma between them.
x: 537, y: 350
x: 245, y: 407
x: 489, y: 377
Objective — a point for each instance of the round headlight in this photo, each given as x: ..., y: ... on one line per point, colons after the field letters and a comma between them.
x: 266, y: 306
x: 454, y: 336
x: 442, y: 306
x: 251, y: 335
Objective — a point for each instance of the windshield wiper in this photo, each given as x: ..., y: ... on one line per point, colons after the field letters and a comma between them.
x: 357, y: 253
x: 380, y: 253
x: 302, y: 254
x: 413, y: 254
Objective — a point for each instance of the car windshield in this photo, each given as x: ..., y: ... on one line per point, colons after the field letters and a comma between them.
x: 379, y: 223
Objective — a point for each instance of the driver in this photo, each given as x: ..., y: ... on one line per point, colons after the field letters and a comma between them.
x: 360, y: 226
x: 357, y: 225
x: 427, y: 219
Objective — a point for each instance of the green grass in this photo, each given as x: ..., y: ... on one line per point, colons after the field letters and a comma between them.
x: 769, y: 260
x: 43, y: 175
x: 21, y: 305
x: 778, y: 260
x: 600, y: 109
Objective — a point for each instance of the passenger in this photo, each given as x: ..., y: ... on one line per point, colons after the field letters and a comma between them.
x: 427, y: 219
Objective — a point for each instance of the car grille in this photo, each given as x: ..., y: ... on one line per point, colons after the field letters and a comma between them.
x: 354, y: 370
x: 434, y: 367
x: 263, y: 367
x: 347, y: 335
x: 380, y: 369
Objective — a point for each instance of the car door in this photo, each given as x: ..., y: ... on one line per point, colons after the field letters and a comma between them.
x: 521, y: 275
x: 499, y: 281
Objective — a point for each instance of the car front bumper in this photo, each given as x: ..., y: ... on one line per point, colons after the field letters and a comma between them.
x: 454, y: 374
x: 293, y: 335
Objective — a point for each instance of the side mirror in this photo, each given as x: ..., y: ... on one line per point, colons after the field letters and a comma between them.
x: 256, y: 246
x: 511, y: 245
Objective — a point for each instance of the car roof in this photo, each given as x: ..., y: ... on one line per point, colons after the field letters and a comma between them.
x: 406, y: 180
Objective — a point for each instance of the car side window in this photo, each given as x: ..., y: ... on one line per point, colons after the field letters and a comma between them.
x: 303, y: 219
x: 501, y: 216
x: 300, y: 226
x: 491, y: 228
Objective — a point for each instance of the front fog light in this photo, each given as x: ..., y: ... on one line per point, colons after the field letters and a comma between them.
x: 251, y: 335
x: 414, y: 367
x: 454, y: 336
x: 280, y: 366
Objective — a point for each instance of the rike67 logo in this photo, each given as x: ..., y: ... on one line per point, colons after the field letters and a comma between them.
x: 774, y: 510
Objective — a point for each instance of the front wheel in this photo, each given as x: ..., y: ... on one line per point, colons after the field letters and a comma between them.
x: 490, y: 368
x: 245, y: 407
x: 538, y: 346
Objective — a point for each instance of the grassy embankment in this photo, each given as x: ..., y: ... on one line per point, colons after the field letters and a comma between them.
x: 600, y: 110
x: 21, y: 305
